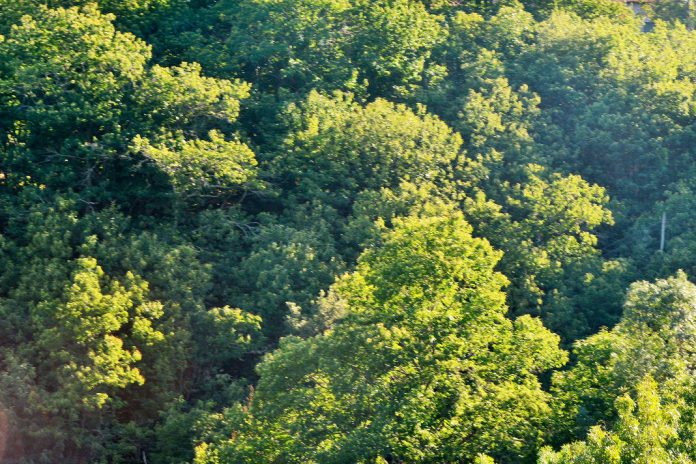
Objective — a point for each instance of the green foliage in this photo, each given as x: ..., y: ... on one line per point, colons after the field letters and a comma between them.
x: 403, y: 373
x: 76, y: 94
x: 299, y: 266
x: 81, y: 347
x: 260, y: 31
x: 90, y: 338
x: 285, y: 267
x: 671, y: 10
x: 46, y: 95
x: 395, y: 42
x: 646, y: 431
x: 181, y: 98
x: 337, y: 148
x: 336, y: 44
x: 654, y: 338
x: 547, y: 226
x: 202, y: 168
x: 136, y: 16
x: 616, y: 98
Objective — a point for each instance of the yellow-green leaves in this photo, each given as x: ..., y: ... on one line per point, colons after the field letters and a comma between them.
x: 647, y: 431
x: 90, y: 323
x: 654, y: 338
x: 76, y: 92
x: 66, y: 70
x: 181, y: 97
x: 202, y: 167
x: 423, y: 366
x: 338, y: 148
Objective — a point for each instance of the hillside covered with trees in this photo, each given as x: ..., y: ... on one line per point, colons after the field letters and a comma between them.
x: 347, y: 232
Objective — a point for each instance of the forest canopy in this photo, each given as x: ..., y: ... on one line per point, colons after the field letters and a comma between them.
x: 347, y: 231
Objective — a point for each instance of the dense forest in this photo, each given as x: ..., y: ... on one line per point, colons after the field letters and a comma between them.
x: 347, y: 231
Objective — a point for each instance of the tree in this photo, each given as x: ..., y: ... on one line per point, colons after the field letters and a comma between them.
x: 77, y: 94
x: 423, y: 366
x: 545, y: 225
x: 171, y: 236
x: 102, y: 327
x: 655, y: 337
x: 139, y: 17
x: 646, y: 431
x: 285, y: 267
x: 380, y: 48
x: 201, y: 170
x: 591, y: 76
x: 337, y: 148
x: 393, y: 46
x: 675, y: 10
x: 85, y: 352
